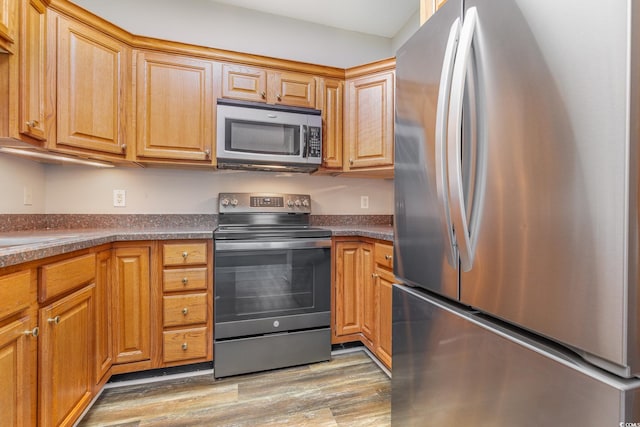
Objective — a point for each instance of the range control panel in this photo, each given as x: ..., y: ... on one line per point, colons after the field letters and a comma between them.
x: 263, y: 203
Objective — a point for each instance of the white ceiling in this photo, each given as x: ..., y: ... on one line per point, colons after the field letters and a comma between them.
x: 377, y: 17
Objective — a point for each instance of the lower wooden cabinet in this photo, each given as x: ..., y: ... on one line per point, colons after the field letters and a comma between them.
x: 18, y: 348
x: 131, y: 304
x: 66, y: 356
x: 187, y: 302
x: 362, y: 294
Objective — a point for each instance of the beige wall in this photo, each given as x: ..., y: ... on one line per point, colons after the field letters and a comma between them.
x: 17, y: 174
x: 87, y: 190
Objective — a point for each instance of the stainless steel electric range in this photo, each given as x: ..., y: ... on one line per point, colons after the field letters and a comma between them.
x: 272, y: 281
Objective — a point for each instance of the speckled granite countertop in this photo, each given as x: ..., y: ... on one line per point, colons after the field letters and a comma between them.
x: 46, y: 243
x: 382, y: 232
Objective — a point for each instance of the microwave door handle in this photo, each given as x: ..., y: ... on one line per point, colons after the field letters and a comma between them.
x: 305, y: 140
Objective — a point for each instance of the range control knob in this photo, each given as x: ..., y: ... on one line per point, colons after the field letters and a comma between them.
x: 234, y: 202
x: 297, y: 203
x: 224, y: 202
x: 290, y: 203
x: 305, y: 203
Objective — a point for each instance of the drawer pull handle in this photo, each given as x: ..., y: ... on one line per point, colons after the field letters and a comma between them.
x: 185, y: 280
x: 185, y: 311
x: 185, y: 254
x: 388, y: 257
x: 54, y: 320
x: 374, y: 275
x: 33, y: 333
x: 184, y: 346
x: 32, y: 123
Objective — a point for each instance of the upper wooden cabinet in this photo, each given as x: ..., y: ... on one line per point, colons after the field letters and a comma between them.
x: 8, y: 26
x: 369, y: 109
x: 175, y: 107
x: 428, y: 8
x: 266, y: 85
x: 330, y: 102
x: 32, y: 83
x: 93, y: 91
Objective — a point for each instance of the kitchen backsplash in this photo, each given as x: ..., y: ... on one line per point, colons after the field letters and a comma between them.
x: 25, y: 222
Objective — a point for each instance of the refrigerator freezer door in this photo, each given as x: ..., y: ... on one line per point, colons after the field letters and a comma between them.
x: 452, y: 369
x: 551, y: 250
x: 424, y: 254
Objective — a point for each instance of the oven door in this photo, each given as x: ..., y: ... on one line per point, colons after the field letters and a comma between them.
x: 265, y: 286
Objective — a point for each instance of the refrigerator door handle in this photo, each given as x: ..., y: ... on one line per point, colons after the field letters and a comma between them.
x: 440, y: 146
x: 454, y: 142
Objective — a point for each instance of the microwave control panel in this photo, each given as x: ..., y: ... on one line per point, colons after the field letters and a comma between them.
x: 315, y: 141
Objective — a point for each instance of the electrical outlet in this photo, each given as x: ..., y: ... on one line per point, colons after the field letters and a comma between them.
x: 119, y: 198
x: 27, y: 196
x: 364, y: 202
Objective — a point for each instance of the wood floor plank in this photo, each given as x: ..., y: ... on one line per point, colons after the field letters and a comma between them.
x: 350, y: 390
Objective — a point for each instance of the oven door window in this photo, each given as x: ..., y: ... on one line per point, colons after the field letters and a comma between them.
x: 267, y: 283
x: 264, y: 138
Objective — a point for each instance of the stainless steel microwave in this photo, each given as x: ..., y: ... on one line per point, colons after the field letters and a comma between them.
x: 259, y: 136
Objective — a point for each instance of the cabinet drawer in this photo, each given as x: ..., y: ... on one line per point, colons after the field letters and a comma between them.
x: 184, y: 344
x: 182, y: 310
x: 384, y: 255
x: 184, y: 279
x: 64, y: 276
x: 16, y: 292
x: 184, y: 253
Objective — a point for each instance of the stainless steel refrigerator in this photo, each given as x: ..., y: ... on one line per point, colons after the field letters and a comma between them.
x: 516, y: 216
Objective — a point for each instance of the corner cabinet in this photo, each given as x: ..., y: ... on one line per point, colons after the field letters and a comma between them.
x: 369, y: 121
x: 67, y: 345
x: 175, y: 108
x: 362, y: 289
x: 93, y: 91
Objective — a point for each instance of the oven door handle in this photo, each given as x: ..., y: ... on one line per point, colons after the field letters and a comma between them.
x: 252, y: 245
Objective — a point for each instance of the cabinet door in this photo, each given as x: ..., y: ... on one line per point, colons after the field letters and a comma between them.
x: 8, y: 25
x: 369, y: 124
x: 294, y: 89
x: 348, y: 318
x: 175, y: 107
x: 384, y: 309
x: 18, y: 372
x: 131, y: 305
x: 93, y: 77
x: 66, y: 357
x: 32, y: 70
x: 331, y: 107
x: 104, y: 335
x: 244, y: 83
x: 369, y: 294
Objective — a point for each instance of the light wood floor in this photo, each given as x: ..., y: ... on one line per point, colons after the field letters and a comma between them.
x: 350, y: 390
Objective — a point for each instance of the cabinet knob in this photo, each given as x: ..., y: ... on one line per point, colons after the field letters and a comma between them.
x: 207, y: 153
x: 54, y: 320
x: 123, y: 147
x: 185, y: 254
x: 350, y: 161
x: 279, y: 97
x: 388, y: 257
x: 33, y: 333
x: 263, y: 94
x: 185, y: 280
x: 32, y: 123
x: 374, y: 275
x: 184, y: 346
x: 185, y: 311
